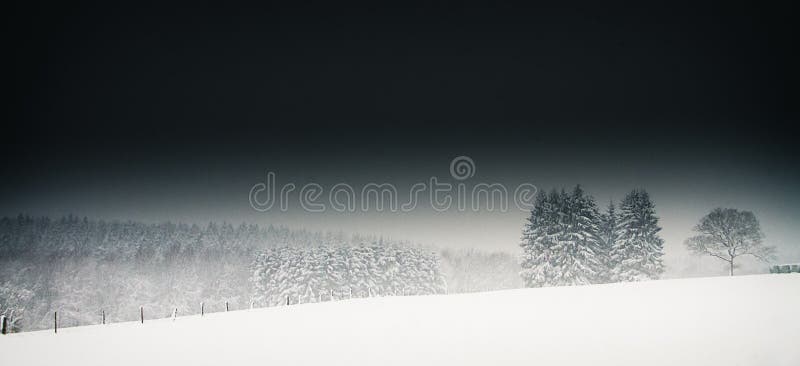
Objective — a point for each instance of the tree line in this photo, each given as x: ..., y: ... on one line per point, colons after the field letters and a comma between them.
x: 83, y: 268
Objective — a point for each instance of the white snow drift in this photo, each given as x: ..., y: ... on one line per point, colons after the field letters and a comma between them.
x: 747, y: 320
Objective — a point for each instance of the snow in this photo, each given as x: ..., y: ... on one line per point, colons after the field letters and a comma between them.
x: 745, y: 320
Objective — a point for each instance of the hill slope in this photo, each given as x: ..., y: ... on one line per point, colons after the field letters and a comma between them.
x: 747, y: 320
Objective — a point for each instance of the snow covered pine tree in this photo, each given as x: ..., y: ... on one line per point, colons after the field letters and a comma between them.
x: 638, y: 249
x: 538, y: 237
x: 608, y: 237
x: 561, y: 241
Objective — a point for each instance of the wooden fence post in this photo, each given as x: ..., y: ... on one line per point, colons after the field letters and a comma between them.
x: 226, y: 306
x: 287, y: 299
x: 141, y: 314
x: 201, y: 309
x: 104, y: 316
x: 55, y: 322
x: 3, y: 325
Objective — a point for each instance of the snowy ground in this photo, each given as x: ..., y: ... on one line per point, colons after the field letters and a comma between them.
x: 747, y: 320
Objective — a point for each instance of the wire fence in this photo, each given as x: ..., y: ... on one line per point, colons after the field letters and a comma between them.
x: 310, y: 296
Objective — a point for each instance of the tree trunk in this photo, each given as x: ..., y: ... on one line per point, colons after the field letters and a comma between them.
x: 731, y: 263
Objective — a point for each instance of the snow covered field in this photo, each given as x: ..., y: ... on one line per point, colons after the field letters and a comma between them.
x: 746, y: 320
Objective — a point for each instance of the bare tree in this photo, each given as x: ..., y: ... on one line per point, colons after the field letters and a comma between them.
x: 727, y: 233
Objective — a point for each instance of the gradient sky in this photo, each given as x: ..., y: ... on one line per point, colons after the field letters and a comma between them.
x: 174, y: 113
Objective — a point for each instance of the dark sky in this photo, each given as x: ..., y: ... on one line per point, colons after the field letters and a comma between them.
x: 158, y: 112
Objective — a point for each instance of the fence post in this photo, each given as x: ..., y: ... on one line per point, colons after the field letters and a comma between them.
x: 104, y: 315
x: 3, y: 325
x: 201, y: 309
x: 226, y: 306
x: 174, y: 314
x: 55, y: 322
x: 141, y: 314
x: 287, y: 300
